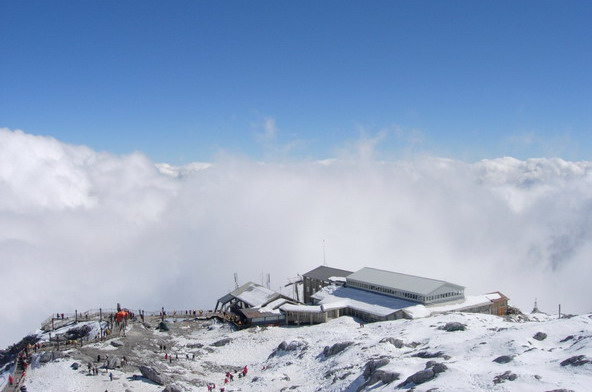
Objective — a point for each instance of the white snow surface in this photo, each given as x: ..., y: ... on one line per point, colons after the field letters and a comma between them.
x: 468, y: 355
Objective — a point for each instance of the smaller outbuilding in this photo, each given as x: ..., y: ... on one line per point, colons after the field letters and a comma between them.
x: 254, y: 304
x: 320, y: 277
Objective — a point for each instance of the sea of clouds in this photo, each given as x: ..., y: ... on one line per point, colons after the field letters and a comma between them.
x: 81, y: 229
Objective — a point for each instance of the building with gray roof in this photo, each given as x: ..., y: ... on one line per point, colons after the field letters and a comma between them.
x: 409, y: 287
x: 320, y: 277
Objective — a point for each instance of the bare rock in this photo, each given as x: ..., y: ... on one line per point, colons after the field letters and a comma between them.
x: 398, y: 343
x: 48, y: 356
x: 372, y: 365
x: 453, y: 326
x: 113, y: 363
x: 427, y: 355
x: 437, y: 367
x: 222, y: 342
x: 506, y: 376
x: 173, y: 388
x: 540, y: 336
x: 372, y: 374
x: 77, y: 332
x: 576, y: 360
x: 504, y: 359
x: 153, y: 374
x: 419, y: 378
x: 285, y: 347
x: 335, y: 349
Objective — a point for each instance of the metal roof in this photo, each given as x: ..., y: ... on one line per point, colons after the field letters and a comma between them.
x: 254, y: 295
x: 361, y: 300
x: 404, y: 282
x: 324, y: 273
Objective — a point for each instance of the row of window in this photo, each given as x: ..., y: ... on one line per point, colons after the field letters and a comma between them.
x: 403, y: 294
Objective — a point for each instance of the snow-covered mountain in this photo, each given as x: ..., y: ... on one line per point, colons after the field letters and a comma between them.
x: 446, y: 352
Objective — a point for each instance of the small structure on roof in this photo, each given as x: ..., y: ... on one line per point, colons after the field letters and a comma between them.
x: 320, y: 277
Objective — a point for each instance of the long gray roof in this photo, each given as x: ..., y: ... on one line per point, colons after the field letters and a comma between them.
x: 410, y: 283
x: 324, y: 273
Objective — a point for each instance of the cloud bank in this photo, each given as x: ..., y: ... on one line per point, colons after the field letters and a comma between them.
x: 81, y: 229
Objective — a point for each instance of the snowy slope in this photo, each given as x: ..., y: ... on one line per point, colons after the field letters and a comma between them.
x: 301, y: 366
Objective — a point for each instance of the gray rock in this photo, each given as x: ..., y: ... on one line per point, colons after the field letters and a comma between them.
x: 113, y: 363
x: 385, y: 376
x: 285, y: 347
x: 431, y: 371
x: 194, y: 345
x: 163, y: 326
x: 336, y: 348
x: 504, y: 359
x: 153, y: 374
x: 48, y: 356
x: 560, y: 390
x: 506, y: 376
x: 427, y: 355
x: 398, y: 343
x: 372, y: 374
x: 116, y: 343
x: 576, y: 360
x: 540, y: 336
x: 372, y: 365
x: 222, y: 342
x: 453, y: 326
x: 173, y: 388
x: 75, y: 365
x: 420, y: 377
x: 438, y: 367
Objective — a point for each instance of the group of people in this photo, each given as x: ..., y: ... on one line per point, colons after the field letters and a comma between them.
x: 229, y: 377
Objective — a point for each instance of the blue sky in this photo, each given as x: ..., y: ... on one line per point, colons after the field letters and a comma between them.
x: 182, y: 81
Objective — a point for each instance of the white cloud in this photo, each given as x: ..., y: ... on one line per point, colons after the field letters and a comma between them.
x: 82, y: 229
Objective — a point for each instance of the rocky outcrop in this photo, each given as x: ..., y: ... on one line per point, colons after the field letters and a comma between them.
x: 540, y: 336
x: 222, y: 342
x: 398, y: 343
x: 453, y: 326
x: 77, y: 333
x: 285, y: 347
x: 335, y: 349
x: 504, y: 359
x: 153, y: 374
x: 429, y: 355
x: 113, y: 363
x: 48, y: 356
x: 576, y: 360
x: 173, y: 388
x: 431, y: 371
x: 506, y: 376
x: 373, y: 374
